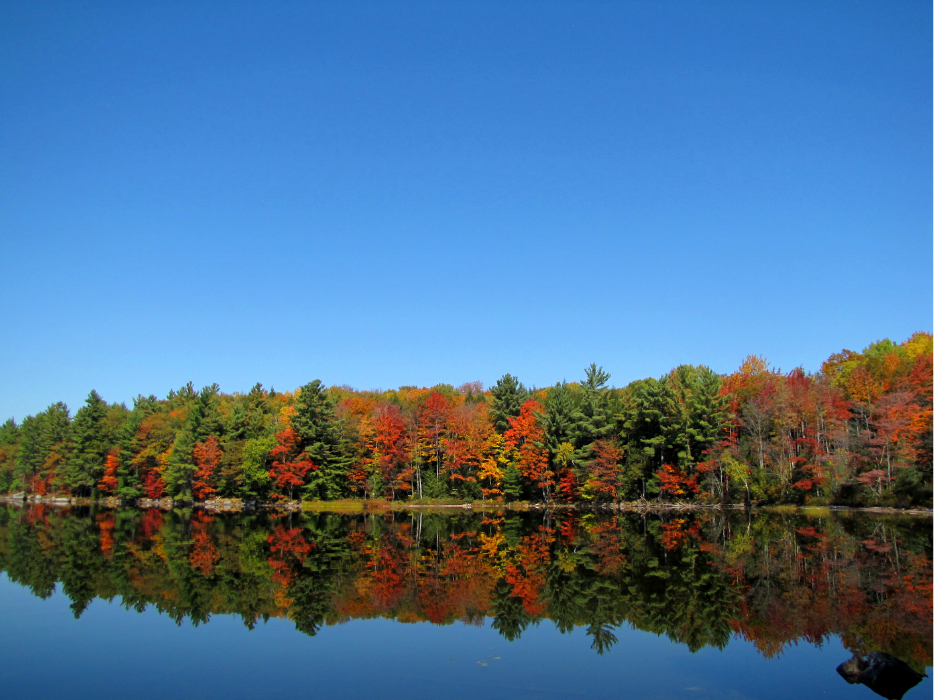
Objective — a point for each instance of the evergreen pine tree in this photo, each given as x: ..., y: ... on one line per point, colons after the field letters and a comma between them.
x: 29, y: 456
x: 508, y: 396
x: 54, y: 442
x: 708, y: 411
x: 203, y: 421
x: 56, y: 429
x: 562, y: 419
x: 676, y: 399
x: 644, y: 427
x: 596, y: 416
x: 320, y: 431
x: 9, y: 432
x: 129, y: 483
x: 85, y: 465
x: 512, y: 483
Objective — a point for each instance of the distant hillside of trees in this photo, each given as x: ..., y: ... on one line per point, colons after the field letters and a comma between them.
x: 858, y: 432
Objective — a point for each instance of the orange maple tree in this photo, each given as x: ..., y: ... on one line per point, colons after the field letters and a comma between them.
x: 526, y: 435
x: 108, y: 483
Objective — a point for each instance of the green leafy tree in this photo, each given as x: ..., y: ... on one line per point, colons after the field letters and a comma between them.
x: 255, y: 465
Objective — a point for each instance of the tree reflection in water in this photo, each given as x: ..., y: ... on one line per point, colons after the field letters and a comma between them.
x: 698, y: 578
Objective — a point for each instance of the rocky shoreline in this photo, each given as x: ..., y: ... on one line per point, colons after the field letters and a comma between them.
x: 237, y: 505
x: 215, y: 505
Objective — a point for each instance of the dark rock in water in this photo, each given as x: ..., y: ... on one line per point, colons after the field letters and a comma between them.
x: 882, y: 673
x: 851, y: 669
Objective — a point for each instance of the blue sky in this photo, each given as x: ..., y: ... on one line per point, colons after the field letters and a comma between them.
x: 392, y: 193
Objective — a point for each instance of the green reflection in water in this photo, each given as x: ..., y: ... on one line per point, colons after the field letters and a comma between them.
x: 698, y: 578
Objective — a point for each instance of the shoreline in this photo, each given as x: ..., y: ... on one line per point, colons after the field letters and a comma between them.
x: 349, y: 506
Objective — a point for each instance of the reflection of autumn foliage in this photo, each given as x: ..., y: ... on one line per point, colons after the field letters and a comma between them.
x: 606, y: 547
x: 821, y: 582
x: 105, y: 521
x: 526, y: 570
x: 204, y: 554
x: 388, y: 565
x: 450, y: 580
x: 697, y: 577
x: 288, y: 549
x: 150, y: 522
x: 456, y: 584
x: 678, y: 532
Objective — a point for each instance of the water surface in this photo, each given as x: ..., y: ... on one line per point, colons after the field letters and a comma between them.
x: 708, y: 605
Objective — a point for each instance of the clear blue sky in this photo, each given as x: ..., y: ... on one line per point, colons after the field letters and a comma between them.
x: 391, y: 193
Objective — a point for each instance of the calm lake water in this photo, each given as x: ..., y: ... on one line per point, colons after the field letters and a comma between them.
x: 116, y: 604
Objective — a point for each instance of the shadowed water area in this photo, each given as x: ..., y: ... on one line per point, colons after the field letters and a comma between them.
x: 106, y: 603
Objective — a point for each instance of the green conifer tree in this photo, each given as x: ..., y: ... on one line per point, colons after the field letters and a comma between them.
x: 508, y: 396
x: 129, y: 483
x: 29, y: 455
x: 85, y: 465
x: 202, y: 422
x: 320, y: 431
x: 562, y: 419
x: 597, y: 421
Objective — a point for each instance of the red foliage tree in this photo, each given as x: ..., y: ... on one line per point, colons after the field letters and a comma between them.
x: 153, y: 484
x: 526, y: 434
x: 433, y: 419
x: 674, y: 483
x: 389, y: 449
x: 603, y: 470
x: 290, y: 464
x: 207, y: 459
x: 469, y: 429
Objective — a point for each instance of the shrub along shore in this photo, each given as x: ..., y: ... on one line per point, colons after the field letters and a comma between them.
x: 857, y: 433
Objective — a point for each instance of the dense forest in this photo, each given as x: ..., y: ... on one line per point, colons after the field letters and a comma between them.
x: 858, y: 432
x: 698, y: 578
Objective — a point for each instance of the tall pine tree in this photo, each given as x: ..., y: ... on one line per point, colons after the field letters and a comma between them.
x: 202, y: 422
x: 85, y: 466
x: 508, y: 396
x: 321, y: 439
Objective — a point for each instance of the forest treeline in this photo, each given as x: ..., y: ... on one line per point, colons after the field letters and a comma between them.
x: 858, y: 432
x: 698, y: 578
